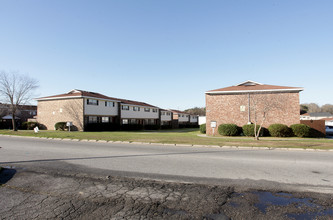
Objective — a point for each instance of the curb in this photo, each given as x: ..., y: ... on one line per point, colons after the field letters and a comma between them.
x: 173, y: 145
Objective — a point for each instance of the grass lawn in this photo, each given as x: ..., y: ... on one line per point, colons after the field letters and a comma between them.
x: 181, y: 136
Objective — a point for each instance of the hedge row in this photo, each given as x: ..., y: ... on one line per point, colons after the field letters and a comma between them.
x: 274, y: 130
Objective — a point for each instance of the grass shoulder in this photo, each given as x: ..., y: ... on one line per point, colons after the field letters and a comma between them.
x: 180, y: 136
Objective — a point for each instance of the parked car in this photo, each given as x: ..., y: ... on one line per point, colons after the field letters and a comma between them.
x: 329, y: 130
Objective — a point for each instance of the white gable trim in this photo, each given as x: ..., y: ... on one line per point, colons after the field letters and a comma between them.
x: 75, y: 97
x: 249, y: 83
x: 256, y: 91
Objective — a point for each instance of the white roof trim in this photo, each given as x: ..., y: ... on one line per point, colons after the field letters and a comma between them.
x: 55, y: 98
x: 249, y: 82
x: 75, y: 97
x: 74, y: 91
x: 255, y: 91
x: 143, y: 106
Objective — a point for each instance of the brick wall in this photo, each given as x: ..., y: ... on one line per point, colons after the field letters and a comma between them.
x: 318, y: 125
x: 50, y: 112
x: 227, y: 108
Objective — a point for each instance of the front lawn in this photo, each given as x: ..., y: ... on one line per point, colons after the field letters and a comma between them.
x: 181, y: 136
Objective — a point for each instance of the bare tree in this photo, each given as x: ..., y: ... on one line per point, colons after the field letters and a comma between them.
x: 313, y: 107
x: 16, y: 89
x: 260, y: 106
x: 196, y: 111
x: 327, y: 108
x: 73, y: 110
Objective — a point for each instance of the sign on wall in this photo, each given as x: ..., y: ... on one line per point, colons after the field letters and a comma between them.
x: 213, y: 126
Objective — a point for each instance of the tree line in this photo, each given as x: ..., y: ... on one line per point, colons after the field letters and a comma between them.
x: 313, y: 107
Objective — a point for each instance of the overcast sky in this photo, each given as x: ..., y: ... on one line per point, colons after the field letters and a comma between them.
x: 169, y: 52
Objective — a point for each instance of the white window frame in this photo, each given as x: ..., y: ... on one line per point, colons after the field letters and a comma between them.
x: 125, y: 107
x: 90, y: 119
x: 109, y: 104
x: 92, y: 102
x: 105, y: 119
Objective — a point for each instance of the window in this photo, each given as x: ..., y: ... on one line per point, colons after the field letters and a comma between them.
x: 163, y: 113
x: 154, y: 110
x: 109, y: 104
x: 125, y: 121
x: 92, y: 119
x: 151, y: 121
x: 168, y: 113
x: 105, y: 119
x: 125, y: 107
x: 133, y: 121
x: 92, y: 102
x: 147, y: 109
x: 136, y: 108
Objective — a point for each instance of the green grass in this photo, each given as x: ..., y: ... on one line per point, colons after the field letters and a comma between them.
x: 181, y: 136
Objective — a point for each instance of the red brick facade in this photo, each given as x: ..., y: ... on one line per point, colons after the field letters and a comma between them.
x: 241, y: 107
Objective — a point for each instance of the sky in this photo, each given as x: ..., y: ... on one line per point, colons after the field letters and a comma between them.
x: 168, y: 53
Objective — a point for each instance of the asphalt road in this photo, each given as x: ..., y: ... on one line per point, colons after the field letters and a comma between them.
x: 260, y: 169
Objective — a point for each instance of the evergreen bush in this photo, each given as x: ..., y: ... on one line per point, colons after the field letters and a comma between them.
x: 228, y: 130
x: 279, y: 130
x: 300, y: 130
x: 248, y: 130
x: 60, y: 126
x: 203, y: 128
x: 28, y: 125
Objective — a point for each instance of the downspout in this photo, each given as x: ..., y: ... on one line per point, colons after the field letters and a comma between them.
x: 248, y: 110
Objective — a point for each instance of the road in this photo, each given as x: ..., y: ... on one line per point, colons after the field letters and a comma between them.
x: 264, y: 169
x: 61, y: 179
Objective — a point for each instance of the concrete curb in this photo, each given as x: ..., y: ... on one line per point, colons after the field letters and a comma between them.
x: 173, y: 145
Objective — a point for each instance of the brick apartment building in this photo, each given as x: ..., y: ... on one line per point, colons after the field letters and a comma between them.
x: 94, y: 111
x: 251, y: 102
x: 183, y: 119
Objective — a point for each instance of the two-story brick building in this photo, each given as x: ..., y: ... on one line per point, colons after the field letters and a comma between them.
x: 94, y: 111
x: 252, y: 102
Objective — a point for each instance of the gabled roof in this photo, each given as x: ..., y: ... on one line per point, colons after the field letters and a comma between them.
x: 76, y: 93
x: 321, y: 114
x: 9, y: 117
x: 253, y: 87
x: 178, y: 112
x: 131, y: 102
x: 327, y: 119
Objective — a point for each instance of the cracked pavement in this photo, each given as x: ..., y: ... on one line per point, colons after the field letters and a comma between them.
x: 38, y: 195
x: 45, y: 193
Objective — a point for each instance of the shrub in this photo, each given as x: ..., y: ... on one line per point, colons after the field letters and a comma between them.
x: 228, y: 130
x: 279, y: 130
x: 101, y: 127
x: 166, y: 126
x: 60, y: 126
x: 316, y: 134
x: 203, y: 128
x: 300, y: 130
x: 248, y: 130
x: 131, y: 127
x: 28, y: 125
x: 151, y: 127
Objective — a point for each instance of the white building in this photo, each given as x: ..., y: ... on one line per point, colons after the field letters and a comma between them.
x: 166, y: 117
x: 133, y: 112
